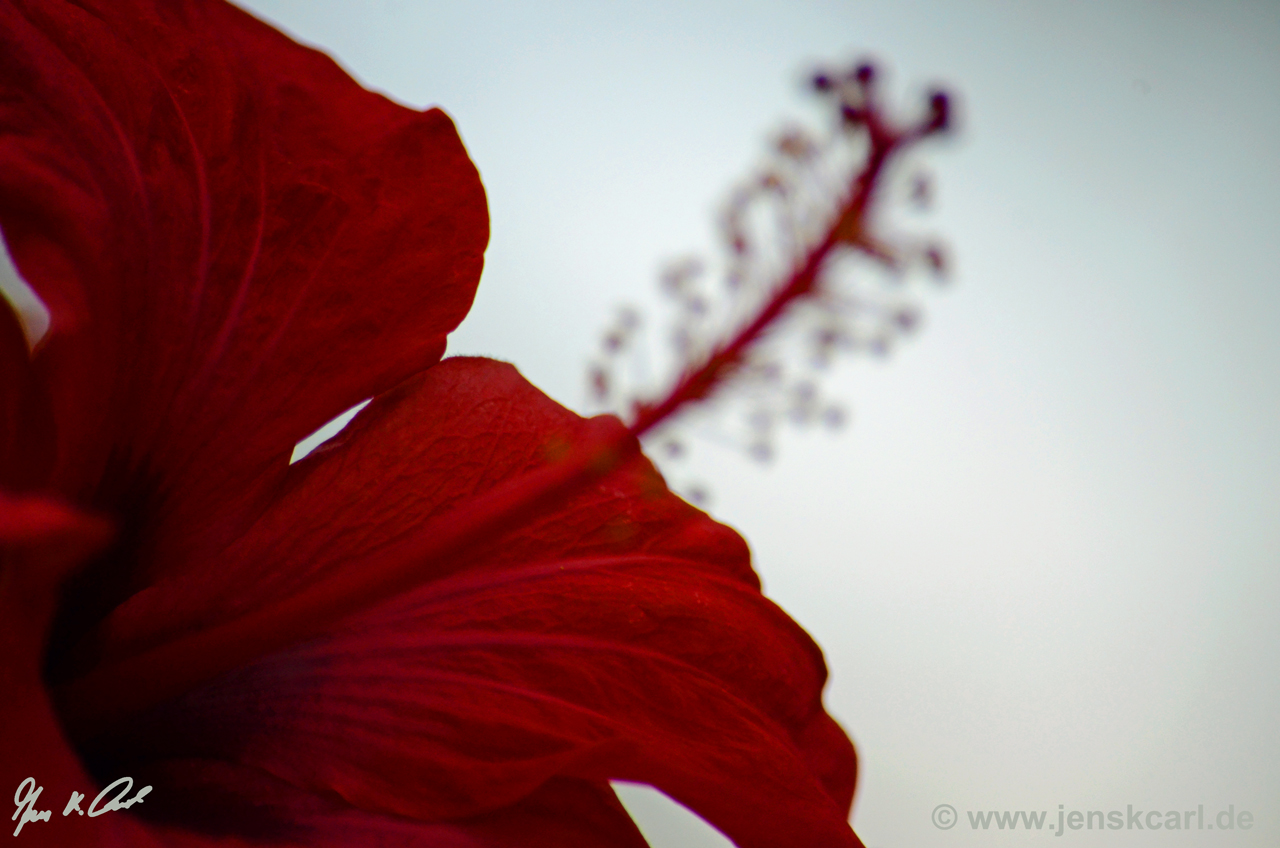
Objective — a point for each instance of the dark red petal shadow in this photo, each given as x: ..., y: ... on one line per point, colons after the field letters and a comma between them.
x: 622, y: 636
x: 26, y: 422
x: 41, y: 541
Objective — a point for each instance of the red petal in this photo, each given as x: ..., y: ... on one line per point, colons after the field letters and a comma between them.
x: 621, y: 637
x: 40, y: 542
x: 235, y: 241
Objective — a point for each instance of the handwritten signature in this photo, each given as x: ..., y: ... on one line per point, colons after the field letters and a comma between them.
x: 28, y: 793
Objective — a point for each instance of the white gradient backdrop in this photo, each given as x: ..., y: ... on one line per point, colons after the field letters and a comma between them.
x: 1043, y: 559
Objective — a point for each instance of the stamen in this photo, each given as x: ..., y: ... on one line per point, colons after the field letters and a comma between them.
x: 813, y: 227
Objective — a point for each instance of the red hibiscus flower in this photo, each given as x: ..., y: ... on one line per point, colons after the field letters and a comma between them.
x: 235, y: 243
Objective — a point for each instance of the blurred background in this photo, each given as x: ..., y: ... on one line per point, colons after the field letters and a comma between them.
x: 1042, y: 556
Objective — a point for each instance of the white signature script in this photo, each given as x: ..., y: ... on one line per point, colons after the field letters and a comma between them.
x: 28, y: 793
